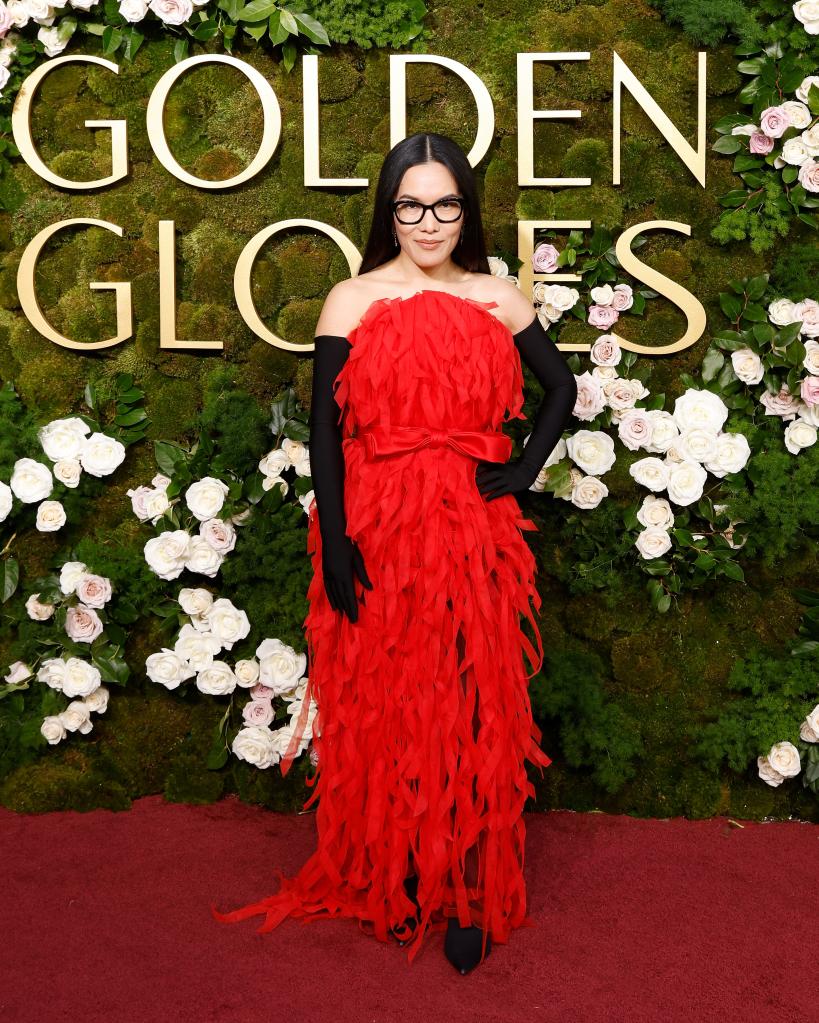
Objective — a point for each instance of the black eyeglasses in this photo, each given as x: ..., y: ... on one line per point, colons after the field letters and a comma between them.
x: 407, y: 211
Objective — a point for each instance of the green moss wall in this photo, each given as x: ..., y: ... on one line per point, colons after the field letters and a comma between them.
x: 624, y: 690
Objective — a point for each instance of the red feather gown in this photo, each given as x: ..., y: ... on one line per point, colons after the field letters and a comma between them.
x: 424, y: 720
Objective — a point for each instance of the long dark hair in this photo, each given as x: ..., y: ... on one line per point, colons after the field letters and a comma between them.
x: 425, y: 147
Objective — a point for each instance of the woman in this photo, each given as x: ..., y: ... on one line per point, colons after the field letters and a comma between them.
x: 421, y: 574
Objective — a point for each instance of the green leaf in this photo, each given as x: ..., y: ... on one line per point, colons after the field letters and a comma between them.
x: 257, y: 10
x: 730, y: 305
x: 712, y: 363
x: 733, y: 571
x: 763, y: 333
x: 727, y: 144
x: 289, y: 22
x: 789, y: 174
x: 313, y: 29
x: 755, y: 288
x: 11, y: 576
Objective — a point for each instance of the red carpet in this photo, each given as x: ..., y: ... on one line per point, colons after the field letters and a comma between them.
x: 105, y: 918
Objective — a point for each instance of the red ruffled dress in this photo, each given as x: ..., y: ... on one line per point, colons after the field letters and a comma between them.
x: 424, y: 720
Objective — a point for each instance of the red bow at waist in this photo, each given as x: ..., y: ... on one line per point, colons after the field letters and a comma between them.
x: 489, y: 446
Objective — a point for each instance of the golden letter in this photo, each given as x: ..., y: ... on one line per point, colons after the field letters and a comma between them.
x: 694, y: 161
x: 676, y: 293
x: 398, y: 100
x: 31, y: 308
x: 312, y: 130
x: 244, y: 266
x: 526, y: 147
x: 272, y: 120
x: 21, y: 128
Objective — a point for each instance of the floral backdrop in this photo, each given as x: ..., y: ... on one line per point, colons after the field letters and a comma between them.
x: 153, y: 503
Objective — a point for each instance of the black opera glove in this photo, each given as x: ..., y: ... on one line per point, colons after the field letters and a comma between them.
x: 546, y: 361
x: 341, y: 559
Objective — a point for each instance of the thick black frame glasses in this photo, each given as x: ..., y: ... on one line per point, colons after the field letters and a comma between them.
x: 399, y: 204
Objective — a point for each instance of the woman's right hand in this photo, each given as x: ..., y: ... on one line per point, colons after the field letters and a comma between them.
x: 341, y: 559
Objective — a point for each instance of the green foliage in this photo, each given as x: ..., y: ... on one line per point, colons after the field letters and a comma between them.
x: 387, y: 23
x: 709, y: 23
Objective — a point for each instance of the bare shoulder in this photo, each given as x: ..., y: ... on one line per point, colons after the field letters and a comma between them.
x: 347, y: 302
x: 515, y: 309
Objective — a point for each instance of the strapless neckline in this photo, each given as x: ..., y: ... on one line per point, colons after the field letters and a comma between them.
x: 484, y: 307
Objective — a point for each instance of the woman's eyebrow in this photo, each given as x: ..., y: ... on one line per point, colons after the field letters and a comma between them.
x: 404, y: 195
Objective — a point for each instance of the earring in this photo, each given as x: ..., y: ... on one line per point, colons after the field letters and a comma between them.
x: 394, y: 237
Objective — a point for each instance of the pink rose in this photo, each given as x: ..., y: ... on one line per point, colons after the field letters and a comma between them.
x: 783, y: 404
x: 774, y: 121
x: 808, y: 176
x: 810, y: 390
x: 760, y: 143
x: 82, y: 624
x: 262, y: 692
x: 544, y: 258
x: 602, y: 316
x: 93, y: 590
x: 623, y: 297
x: 258, y: 712
x: 808, y: 312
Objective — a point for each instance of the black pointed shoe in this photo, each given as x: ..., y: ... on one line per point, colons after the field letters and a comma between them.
x: 405, y: 931
x: 462, y: 945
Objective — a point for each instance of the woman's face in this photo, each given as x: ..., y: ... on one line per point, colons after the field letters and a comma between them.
x: 428, y: 242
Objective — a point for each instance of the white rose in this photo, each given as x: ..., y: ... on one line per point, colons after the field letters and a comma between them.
x: 82, y: 624
x: 167, y: 553
x: 228, y: 623
x: 592, y: 451
x: 650, y: 472
x: 655, y: 511
x: 602, y: 295
x: 161, y: 481
x: 172, y: 12
x: 100, y: 455
x: 744, y: 129
x: 195, y: 601
x: 664, y: 431
x: 167, y: 668
x: 768, y: 773
x: 219, y: 534
x: 685, y: 482
x: 76, y: 717
x: 619, y: 394
x: 274, y: 462
x: 811, y: 360
x: 782, y: 312
x: 795, y: 152
x: 306, y: 500
x: 804, y: 88
x: 202, y: 558
x: 298, y: 456
x: 31, y: 481
x: 70, y: 575
x: 634, y: 428
x: 274, y: 481
x: 558, y: 452
x: 695, y: 445
x: 810, y: 137
x: 216, y: 680
x: 98, y: 700
x: 156, y: 503
x: 68, y: 471
x: 604, y: 373
x: 133, y: 10
x: 6, y: 500
x: 55, y: 37
x: 18, y: 672
x: 589, y: 492
x: 809, y: 413
x: 280, y: 667
x: 747, y: 365
x: 497, y: 267
x: 63, y: 438
x: 197, y: 647
x: 798, y: 113
x: 606, y: 351
x: 590, y: 400
x: 807, y: 11
x: 246, y: 672
x: 206, y: 497
x: 80, y: 677
x: 255, y: 745
x: 807, y: 733
x: 732, y: 454
x: 784, y: 758
x: 700, y: 408
x: 38, y: 611
x: 653, y: 542
x: 52, y: 729
x: 799, y: 434
x: 52, y: 672
x: 555, y: 300
x: 50, y: 516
